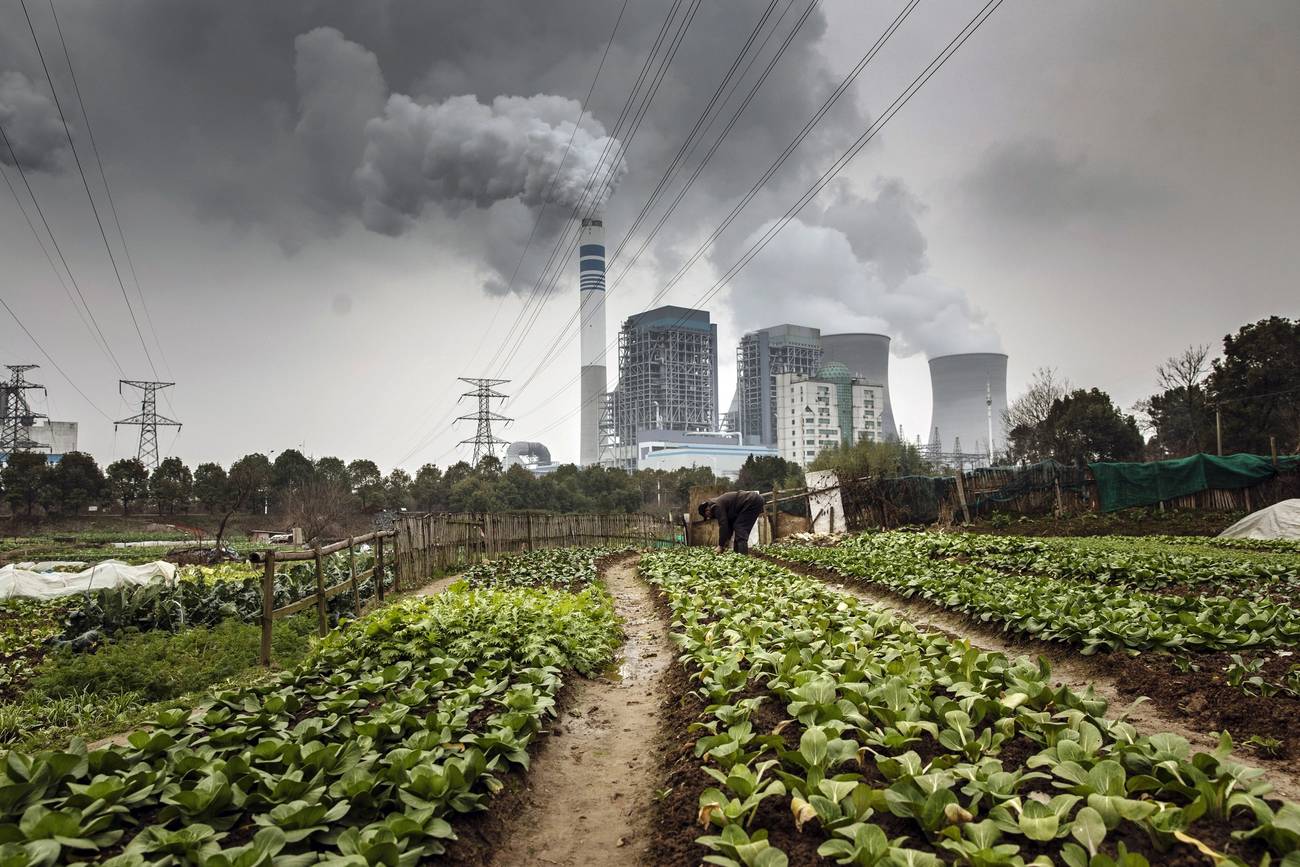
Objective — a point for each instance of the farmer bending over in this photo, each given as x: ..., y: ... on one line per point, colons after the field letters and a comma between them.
x: 736, y: 512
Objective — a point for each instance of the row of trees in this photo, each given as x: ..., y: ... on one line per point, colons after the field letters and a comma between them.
x: 1254, y: 388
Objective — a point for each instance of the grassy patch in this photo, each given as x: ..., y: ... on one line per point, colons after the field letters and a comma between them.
x: 93, y: 695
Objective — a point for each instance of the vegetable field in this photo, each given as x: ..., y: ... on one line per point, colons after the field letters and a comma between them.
x: 678, y: 707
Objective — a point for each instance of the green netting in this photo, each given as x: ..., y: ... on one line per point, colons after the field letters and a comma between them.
x: 1120, y: 486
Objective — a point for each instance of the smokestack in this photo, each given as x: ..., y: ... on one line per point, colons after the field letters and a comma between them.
x: 867, y: 356
x: 591, y: 321
x: 970, y: 396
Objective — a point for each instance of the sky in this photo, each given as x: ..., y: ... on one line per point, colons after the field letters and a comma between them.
x: 332, y: 210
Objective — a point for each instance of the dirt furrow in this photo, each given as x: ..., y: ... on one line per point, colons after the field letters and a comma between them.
x: 1068, y: 667
x: 590, y: 787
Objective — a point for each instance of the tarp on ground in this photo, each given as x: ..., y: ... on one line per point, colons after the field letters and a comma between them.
x: 1278, y: 521
x: 110, y: 573
x: 1121, y: 485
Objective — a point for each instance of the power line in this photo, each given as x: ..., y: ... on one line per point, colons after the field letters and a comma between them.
x: 483, y: 441
x: 90, y: 134
x: 58, y: 275
x: 40, y: 212
x: 839, y: 164
x: 612, y: 137
x: 51, y: 360
x: 766, y: 175
x: 67, y: 131
x: 627, y: 142
x: 551, y: 353
x: 586, y: 102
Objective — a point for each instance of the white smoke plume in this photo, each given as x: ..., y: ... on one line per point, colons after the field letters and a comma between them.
x: 31, y: 123
x: 461, y: 152
x: 811, y: 275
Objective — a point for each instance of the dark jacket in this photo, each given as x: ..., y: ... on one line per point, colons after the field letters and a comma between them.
x: 732, y: 506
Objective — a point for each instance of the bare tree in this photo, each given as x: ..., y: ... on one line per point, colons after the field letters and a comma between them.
x: 1187, y: 370
x: 1030, y: 410
x: 319, y: 506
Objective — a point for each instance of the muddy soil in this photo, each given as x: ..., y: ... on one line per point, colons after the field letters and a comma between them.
x: 586, y: 798
x: 1112, y: 677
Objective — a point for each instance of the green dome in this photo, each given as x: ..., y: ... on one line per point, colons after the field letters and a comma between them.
x: 834, y: 371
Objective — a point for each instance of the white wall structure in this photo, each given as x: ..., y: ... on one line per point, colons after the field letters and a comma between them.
x: 963, y: 386
x: 591, y: 323
x: 60, y: 437
x: 831, y: 409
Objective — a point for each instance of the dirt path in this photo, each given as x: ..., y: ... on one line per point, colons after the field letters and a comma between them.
x: 589, y: 789
x: 1068, y: 667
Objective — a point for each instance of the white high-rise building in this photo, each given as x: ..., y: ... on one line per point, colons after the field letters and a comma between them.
x: 591, y: 323
x: 824, y: 411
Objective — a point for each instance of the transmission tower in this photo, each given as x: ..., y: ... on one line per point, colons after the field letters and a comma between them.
x: 148, y: 419
x: 17, y: 412
x: 483, y: 441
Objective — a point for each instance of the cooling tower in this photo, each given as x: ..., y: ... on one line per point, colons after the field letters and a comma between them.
x: 866, y: 356
x: 962, y: 386
x: 591, y: 322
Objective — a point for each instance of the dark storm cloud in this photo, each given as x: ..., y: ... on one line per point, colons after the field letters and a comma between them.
x: 268, y: 117
x: 31, y: 124
x: 298, y: 120
x: 1032, y: 181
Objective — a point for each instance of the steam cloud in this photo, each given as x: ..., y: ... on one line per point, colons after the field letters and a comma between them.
x: 818, y: 275
x: 462, y: 152
x: 31, y: 123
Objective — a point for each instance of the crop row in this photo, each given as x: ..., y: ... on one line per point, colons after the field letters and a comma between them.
x: 1092, y: 616
x: 1137, y: 563
x: 910, y: 748
x: 397, y: 724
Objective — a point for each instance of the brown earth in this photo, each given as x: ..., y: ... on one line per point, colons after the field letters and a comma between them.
x: 1192, y: 706
x: 586, y: 799
x: 1128, y: 522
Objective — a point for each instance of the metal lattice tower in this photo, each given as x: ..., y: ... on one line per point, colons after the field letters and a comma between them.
x: 16, y: 413
x: 483, y: 441
x: 148, y: 419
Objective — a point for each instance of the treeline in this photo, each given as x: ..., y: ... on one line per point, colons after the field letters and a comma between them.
x: 1249, y: 397
x: 316, y: 494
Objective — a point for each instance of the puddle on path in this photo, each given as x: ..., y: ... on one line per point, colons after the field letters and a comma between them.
x: 590, y: 787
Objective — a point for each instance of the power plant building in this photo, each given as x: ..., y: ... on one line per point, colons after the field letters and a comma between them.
x: 761, y: 357
x: 667, y: 379
x: 591, y: 326
x: 970, y: 399
x: 867, y: 357
x: 833, y: 408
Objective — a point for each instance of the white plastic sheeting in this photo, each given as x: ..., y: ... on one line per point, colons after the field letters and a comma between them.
x: 1278, y: 521
x: 110, y: 573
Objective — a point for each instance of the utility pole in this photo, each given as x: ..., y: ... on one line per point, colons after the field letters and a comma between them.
x: 148, y: 419
x: 483, y: 441
x: 17, y: 412
x: 1218, y: 429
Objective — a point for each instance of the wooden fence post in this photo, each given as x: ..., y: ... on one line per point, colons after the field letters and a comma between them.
x: 379, y: 568
x: 268, y: 605
x: 352, y: 574
x: 322, y: 621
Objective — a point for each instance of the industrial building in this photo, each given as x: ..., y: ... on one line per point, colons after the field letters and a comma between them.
x: 56, y: 437
x: 722, y: 452
x: 761, y: 357
x: 970, y: 399
x: 532, y: 456
x: 667, y: 380
x: 833, y: 408
x: 867, y: 357
x: 591, y: 325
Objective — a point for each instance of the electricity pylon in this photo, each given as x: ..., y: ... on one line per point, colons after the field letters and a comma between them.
x: 483, y: 441
x: 17, y: 413
x: 148, y: 419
